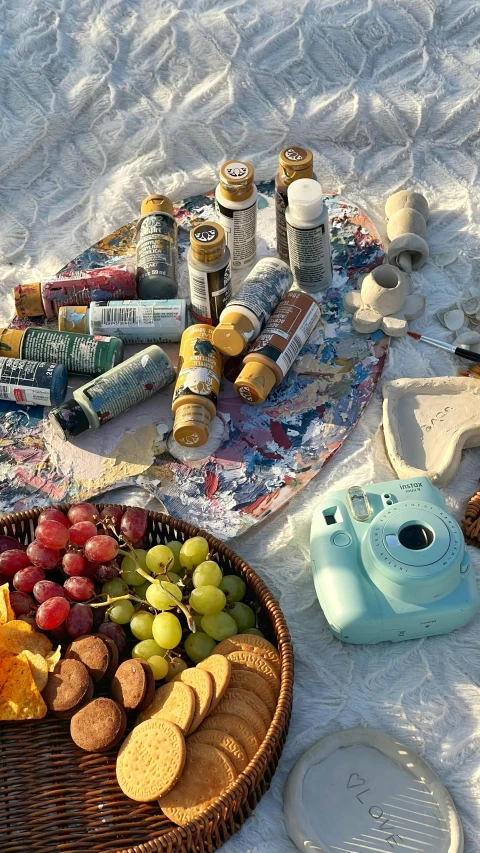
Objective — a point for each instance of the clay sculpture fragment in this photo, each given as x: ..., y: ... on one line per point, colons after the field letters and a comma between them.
x: 407, y: 214
x: 385, y: 302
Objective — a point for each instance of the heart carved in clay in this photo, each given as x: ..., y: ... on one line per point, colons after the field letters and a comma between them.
x: 428, y: 422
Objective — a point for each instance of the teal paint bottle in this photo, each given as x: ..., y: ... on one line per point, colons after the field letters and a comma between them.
x: 83, y: 354
x: 139, y: 321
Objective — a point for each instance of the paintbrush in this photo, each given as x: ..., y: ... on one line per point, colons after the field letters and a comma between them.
x: 463, y: 353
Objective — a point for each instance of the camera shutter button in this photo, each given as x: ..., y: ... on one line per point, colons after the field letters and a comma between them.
x: 341, y: 540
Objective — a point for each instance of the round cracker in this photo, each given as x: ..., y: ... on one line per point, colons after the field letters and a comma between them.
x: 237, y: 728
x: 250, y: 643
x: 228, y: 744
x: 252, y: 700
x: 207, y: 773
x: 247, y: 680
x: 220, y: 669
x: 151, y: 760
x: 255, y: 663
x: 175, y: 702
x: 245, y: 712
x: 201, y: 683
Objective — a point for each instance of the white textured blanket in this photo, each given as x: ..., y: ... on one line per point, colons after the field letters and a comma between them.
x: 104, y: 101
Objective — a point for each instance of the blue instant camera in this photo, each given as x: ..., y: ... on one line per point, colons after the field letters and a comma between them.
x: 389, y: 563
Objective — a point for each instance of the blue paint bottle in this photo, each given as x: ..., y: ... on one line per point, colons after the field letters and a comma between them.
x: 32, y: 383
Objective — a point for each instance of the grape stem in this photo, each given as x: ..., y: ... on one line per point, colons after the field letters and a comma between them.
x: 127, y: 597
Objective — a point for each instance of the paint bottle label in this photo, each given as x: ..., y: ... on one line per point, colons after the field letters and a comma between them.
x: 263, y: 288
x: 80, y: 353
x: 281, y: 204
x: 26, y: 381
x: 88, y: 286
x: 200, y: 365
x: 156, y: 247
x: 240, y: 228
x: 129, y: 384
x: 287, y: 330
x: 310, y: 256
x: 209, y: 293
x: 141, y: 321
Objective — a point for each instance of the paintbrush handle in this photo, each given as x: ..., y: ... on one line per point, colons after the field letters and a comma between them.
x: 468, y: 354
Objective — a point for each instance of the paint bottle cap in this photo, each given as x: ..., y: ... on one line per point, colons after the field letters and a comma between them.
x: 254, y: 383
x: 231, y: 337
x: 68, y: 420
x: 295, y: 162
x: 208, y: 242
x: 11, y: 342
x: 236, y: 179
x: 191, y: 427
x: 305, y: 199
x: 156, y: 204
x: 28, y: 300
x: 73, y: 318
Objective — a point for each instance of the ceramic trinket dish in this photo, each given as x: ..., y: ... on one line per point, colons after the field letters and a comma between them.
x: 428, y: 422
x: 384, y: 301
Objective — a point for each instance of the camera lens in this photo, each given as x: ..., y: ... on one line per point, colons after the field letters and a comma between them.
x: 415, y: 537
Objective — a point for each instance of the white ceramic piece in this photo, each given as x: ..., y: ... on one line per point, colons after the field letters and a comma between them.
x: 414, y: 245
x: 443, y: 259
x: 407, y: 220
x: 414, y: 306
x: 359, y: 790
x: 352, y: 301
x: 365, y: 320
x: 384, y: 289
x: 428, y: 422
x: 454, y: 320
x: 395, y: 325
x: 470, y: 305
x: 407, y: 198
x: 467, y: 338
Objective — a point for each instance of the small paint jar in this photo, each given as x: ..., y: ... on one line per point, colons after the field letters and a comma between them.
x: 80, y: 354
x: 140, y: 321
x: 236, y: 211
x: 308, y: 234
x: 272, y: 354
x: 32, y: 383
x: 209, y: 272
x: 44, y: 298
x: 198, y: 385
x: 293, y: 163
x: 247, y: 312
x: 120, y: 389
x: 157, y: 249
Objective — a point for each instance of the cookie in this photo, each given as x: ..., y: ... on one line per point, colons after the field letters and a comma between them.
x: 247, y: 680
x: 245, y: 712
x: 150, y: 691
x: 201, y: 683
x: 99, y: 725
x: 220, y: 669
x: 235, y: 727
x: 207, y: 773
x: 67, y: 687
x: 129, y: 685
x: 255, y: 663
x: 93, y: 652
x: 228, y: 744
x: 114, y: 656
x: 252, y: 700
x: 250, y: 643
x: 151, y: 760
x: 175, y: 702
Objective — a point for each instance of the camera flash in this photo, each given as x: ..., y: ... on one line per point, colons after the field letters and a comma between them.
x: 358, y: 503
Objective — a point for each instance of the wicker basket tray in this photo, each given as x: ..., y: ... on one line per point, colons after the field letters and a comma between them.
x: 56, y: 799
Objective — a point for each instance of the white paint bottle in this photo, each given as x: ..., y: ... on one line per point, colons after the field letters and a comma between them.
x: 308, y: 234
x: 236, y: 211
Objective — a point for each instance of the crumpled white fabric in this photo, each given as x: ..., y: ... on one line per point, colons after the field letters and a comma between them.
x: 104, y: 102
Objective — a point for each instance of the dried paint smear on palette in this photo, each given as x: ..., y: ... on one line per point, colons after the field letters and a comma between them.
x: 266, y: 453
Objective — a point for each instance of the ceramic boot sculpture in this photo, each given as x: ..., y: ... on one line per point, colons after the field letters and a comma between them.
x: 407, y: 214
x: 384, y: 302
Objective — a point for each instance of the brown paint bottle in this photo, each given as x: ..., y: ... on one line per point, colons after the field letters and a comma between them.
x: 294, y: 163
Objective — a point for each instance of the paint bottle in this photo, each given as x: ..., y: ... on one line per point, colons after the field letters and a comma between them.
x: 198, y: 384
x: 293, y: 163
x: 308, y: 234
x: 44, y: 298
x: 142, y: 321
x: 32, y: 383
x: 157, y: 250
x: 117, y: 391
x: 273, y: 353
x: 251, y: 306
x: 209, y: 272
x: 236, y: 211
x: 80, y: 353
